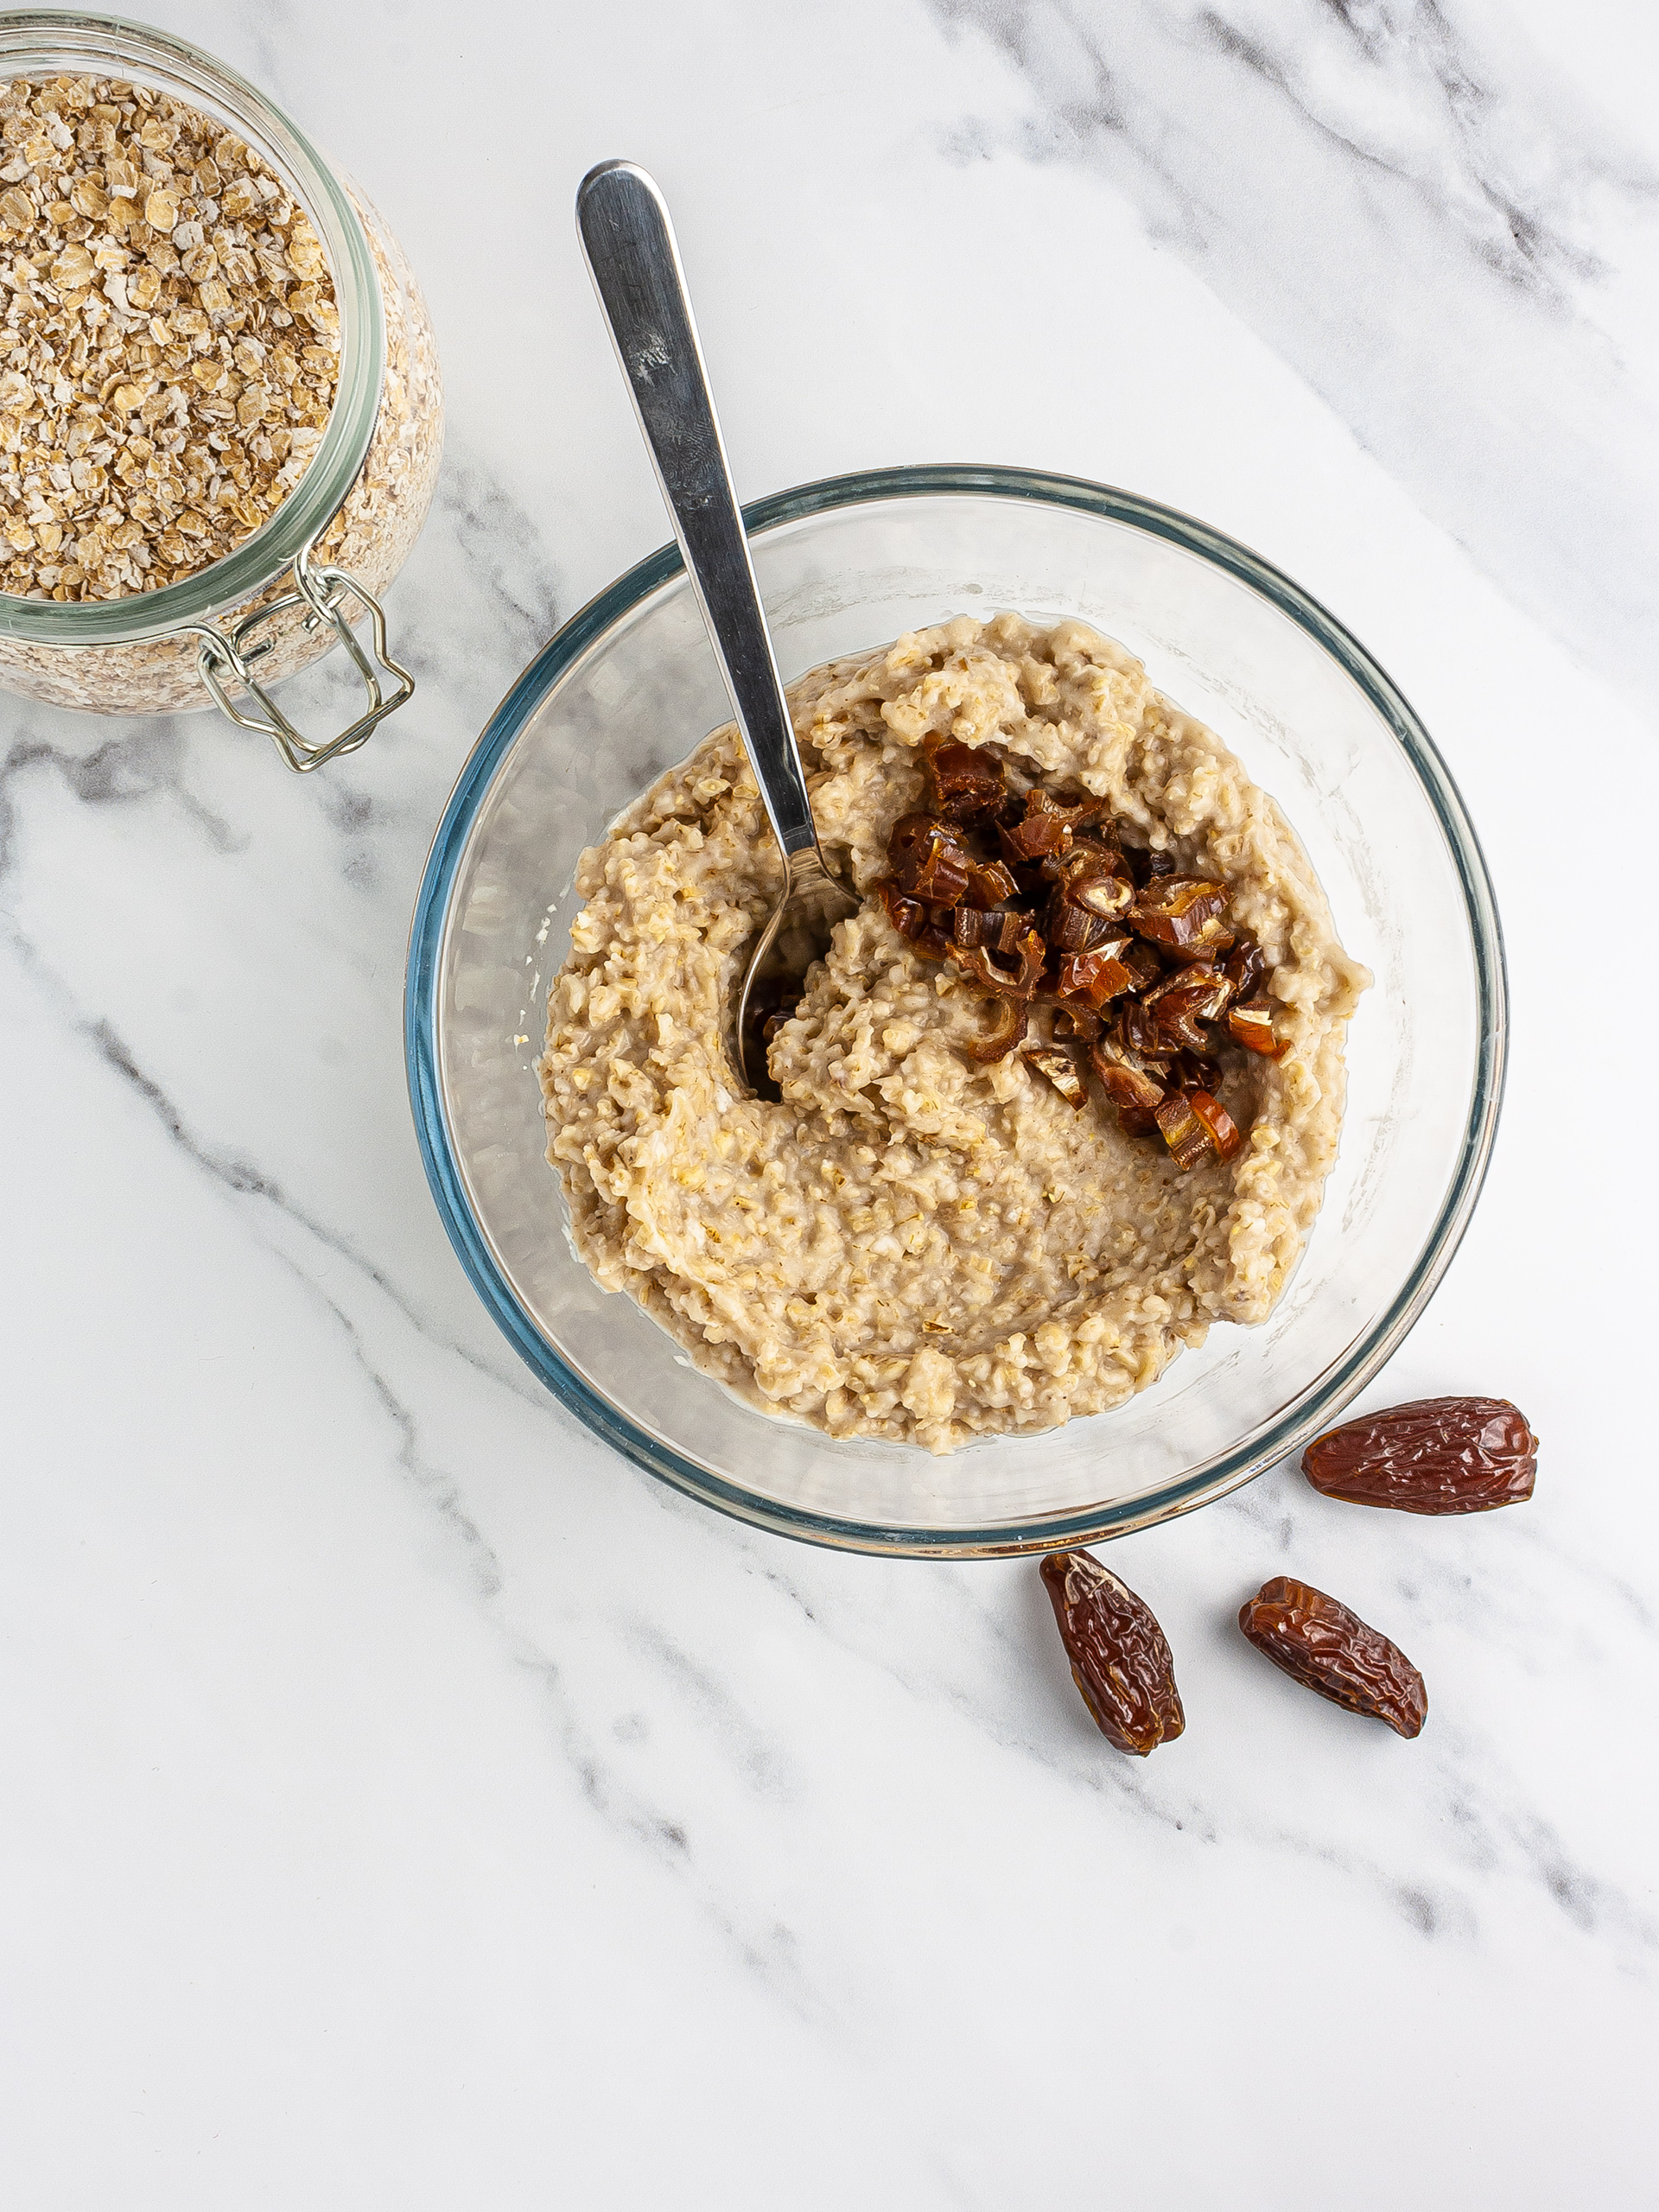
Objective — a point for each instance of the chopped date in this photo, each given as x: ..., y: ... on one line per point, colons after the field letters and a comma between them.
x: 1005, y: 1032
x: 1073, y: 810
x: 1117, y: 1045
x: 907, y: 915
x: 1213, y: 942
x: 1047, y: 828
x: 1130, y: 1086
x: 1173, y: 910
x: 1108, y: 896
x: 930, y: 929
x: 1140, y: 1034
x: 1184, y: 999
x: 989, y: 972
x: 1098, y: 977
x: 1081, y: 1023
x: 1193, y: 1071
x: 997, y: 931
x: 1119, y: 1658
x: 1062, y: 1072
x: 1187, y: 1137
x: 1071, y: 923
x: 963, y: 782
x: 1436, y: 1455
x: 1251, y: 1025
x: 989, y: 884
x: 1245, y: 967
x: 1071, y: 928
x: 1038, y: 834
x: 1081, y: 809
x: 1094, y: 877
x: 1320, y: 1644
x: 1144, y: 966
x: 928, y: 860
x: 1219, y: 1124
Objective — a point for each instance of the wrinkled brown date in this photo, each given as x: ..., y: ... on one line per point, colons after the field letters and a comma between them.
x: 1120, y: 1660
x: 1319, y: 1644
x: 1439, y: 1455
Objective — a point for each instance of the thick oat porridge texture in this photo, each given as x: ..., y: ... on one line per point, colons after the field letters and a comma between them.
x: 913, y: 1246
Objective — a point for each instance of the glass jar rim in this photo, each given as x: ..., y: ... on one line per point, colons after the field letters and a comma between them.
x: 51, y: 42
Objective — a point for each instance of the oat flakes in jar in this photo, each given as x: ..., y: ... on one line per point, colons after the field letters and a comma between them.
x: 220, y: 413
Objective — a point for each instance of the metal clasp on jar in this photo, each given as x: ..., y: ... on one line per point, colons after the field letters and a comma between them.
x: 323, y: 591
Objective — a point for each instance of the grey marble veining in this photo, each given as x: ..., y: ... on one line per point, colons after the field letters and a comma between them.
x: 1411, y: 209
x: 410, y: 1803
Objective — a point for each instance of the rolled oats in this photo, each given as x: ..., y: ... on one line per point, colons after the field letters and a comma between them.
x: 169, y: 340
x: 169, y: 354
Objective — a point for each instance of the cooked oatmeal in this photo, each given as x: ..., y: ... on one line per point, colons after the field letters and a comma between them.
x: 913, y: 1245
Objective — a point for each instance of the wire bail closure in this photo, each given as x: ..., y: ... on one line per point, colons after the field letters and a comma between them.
x: 324, y: 592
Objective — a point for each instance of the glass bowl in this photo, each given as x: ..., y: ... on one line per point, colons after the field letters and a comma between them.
x: 630, y: 685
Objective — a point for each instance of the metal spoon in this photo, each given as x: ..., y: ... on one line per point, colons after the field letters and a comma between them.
x: 635, y: 265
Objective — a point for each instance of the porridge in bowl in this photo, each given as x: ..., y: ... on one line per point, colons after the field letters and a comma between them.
x: 1065, y: 1092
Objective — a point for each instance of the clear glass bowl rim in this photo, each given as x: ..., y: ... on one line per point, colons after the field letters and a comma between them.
x: 1316, y: 1408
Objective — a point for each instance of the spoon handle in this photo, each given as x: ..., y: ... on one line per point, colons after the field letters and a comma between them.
x: 635, y: 265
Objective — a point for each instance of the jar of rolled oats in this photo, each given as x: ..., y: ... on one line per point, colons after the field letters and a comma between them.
x: 220, y: 411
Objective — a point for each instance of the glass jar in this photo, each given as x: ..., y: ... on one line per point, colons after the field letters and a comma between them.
x: 292, y: 589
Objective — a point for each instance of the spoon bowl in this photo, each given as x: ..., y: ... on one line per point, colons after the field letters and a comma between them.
x: 798, y: 932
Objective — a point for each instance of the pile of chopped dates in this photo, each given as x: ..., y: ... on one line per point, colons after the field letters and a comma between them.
x: 1035, y: 897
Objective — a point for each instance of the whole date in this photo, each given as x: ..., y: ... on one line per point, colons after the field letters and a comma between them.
x: 1120, y: 1659
x: 1318, y: 1643
x: 1439, y: 1455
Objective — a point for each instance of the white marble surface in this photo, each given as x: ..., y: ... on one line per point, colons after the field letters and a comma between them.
x: 407, y: 1804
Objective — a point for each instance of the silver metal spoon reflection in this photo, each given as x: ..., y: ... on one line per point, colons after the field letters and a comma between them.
x: 635, y: 265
